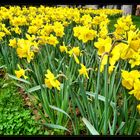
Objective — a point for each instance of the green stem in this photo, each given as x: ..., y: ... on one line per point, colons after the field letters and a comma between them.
x: 96, y: 98
x: 106, y: 97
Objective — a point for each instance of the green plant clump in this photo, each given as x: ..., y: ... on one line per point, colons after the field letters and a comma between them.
x: 15, y: 118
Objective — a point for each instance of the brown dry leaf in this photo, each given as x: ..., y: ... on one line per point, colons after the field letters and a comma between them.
x: 40, y: 105
x: 29, y: 103
x: 43, y: 121
x: 77, y: 111
x: 21, y: 90
x: 46, y: 115
x: 37, y: 117
x: 27, y: 98
x: 35, y: 111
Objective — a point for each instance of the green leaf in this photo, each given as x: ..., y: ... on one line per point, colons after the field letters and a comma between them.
x: 60, y: 110
x: 110, y: 129
x: 5, y: 85
x: 91, y: 128
x: 60, y: 63
x: 101, y: 98
x: 46, y: 133
x: 120, y: 127
x: 34, y: 88
x: 3, y: 66
x: 19, y: 85
x: 19, y: 79
x: 56, y: 126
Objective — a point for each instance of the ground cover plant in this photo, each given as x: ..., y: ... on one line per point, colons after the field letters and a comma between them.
x: 15, y: 117
x: 80, y: 73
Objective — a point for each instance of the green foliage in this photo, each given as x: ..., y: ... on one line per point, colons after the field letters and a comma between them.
x: 136, y: 21
x: 15, y: 119
x: 113, y: 21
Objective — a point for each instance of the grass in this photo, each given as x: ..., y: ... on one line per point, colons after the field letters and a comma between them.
x: 136, y: 20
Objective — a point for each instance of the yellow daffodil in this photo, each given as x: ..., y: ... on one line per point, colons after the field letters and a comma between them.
x: 13, y: 43
x: 52, y: 40
x: 51, y: 81
x: 84, y: 34
x: 24, y: 49
x: 75, y: 50
x: 103, y: 45
x: 111, y: 68
x: 21, y: 72
x: 83, y: 71
x: 138, y: 107
x: 63, y: 48
x: 129, y: 78
x: 136, y: 91
x: 76, y: 59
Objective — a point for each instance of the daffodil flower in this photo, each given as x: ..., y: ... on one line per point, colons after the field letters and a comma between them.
x: 51, y: 81
x: 21, y: 72
x: 83, y: 71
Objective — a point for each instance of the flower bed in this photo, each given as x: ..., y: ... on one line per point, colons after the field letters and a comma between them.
x: 68, y: 61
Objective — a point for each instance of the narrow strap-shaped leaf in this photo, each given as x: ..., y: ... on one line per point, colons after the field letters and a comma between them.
x: 60, y: 110
x: 3, y: 66
x: 34, y: 88
x: 101, y: 98
x: 110, y: 129
x: 19, y: 85
x: 56, y: 126
x: 19, y: 79
x: 60, y: 64
x: 120, y: 127
x: 91, y: 128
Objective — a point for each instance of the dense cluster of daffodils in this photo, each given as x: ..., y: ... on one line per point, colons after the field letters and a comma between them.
x: 103, y: 11
x: 67, y: 40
